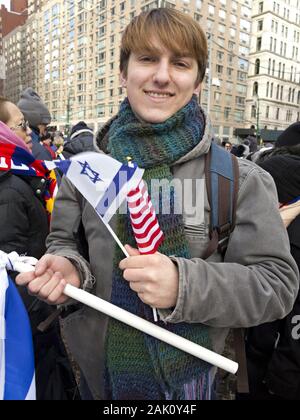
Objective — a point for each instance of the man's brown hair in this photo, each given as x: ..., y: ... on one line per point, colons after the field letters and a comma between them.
x: 4, y: 114
x: 177, y: 31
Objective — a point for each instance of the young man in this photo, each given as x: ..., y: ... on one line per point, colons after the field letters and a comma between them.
x: 161, y: 126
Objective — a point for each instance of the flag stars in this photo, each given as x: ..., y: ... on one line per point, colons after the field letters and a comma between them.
x: 87, y: 170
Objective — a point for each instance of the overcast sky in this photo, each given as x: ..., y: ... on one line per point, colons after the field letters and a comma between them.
x: 6, y: 3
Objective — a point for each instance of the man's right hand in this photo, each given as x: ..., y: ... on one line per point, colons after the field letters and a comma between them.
x: 49, y: 279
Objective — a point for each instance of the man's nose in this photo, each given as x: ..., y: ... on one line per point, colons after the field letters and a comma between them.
x: 162, y: 73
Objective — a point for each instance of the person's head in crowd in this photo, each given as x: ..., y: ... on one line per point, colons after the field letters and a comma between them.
x: 241, y: 150
x: 11, y: 115
x: 285, y: 170
x: 162, y: 62
x: 290, y: 136
x: 34, y: 110
x: 288, y: 142
x: 46, y: 138
x: 58, y: 139
x: 228, y: 146
x: 80, y: 128
x: 251, y: 141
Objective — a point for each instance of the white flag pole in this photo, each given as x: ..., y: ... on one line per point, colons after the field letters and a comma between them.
x: 151, y: 329
x: 141, y: 324
x: 113, y: 234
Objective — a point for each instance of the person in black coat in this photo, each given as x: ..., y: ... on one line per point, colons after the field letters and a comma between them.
x: 80, y: 140
x: 273, y: 349
x: 24, y: 228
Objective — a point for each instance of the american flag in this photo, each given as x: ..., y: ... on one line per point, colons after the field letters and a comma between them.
x: 147, y: 232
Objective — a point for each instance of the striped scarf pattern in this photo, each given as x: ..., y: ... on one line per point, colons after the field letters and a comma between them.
x: 19, y: 161
x: 139, y: 366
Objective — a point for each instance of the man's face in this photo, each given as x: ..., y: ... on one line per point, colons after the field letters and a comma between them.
x: 47, y: 142
x: 42, y: 128
x: 17, y: 124
x: 159, y: 83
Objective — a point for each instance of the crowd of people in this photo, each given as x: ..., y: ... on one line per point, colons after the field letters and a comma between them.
x: 252, y: 284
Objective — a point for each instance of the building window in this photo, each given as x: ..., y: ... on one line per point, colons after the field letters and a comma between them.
x: 219, y: 69
x: 257, y: 65
x: 226, y: 113
x: 261, y: 7
x: 267, y: 111
x: 238, y: 115
x: 255, y: 88
x: 258, y: 44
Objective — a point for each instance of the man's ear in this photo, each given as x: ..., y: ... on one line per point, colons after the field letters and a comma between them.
x: 123, y: 80
x: 198, y: 89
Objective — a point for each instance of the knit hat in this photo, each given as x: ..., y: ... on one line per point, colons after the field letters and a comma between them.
x: 33, y: 108
x: 290, y: 136
x: 285, y: 171
x: 241, y: 150
x: 80, y: 127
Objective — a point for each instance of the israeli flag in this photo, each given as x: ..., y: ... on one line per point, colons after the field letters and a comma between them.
x: 17, y: 379
x: 102, y: 180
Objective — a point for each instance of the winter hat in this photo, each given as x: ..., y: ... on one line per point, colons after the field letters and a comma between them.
x: 33, y: 108
x: 241, y: 151
x: 79, y: 128
x: 290, y: 136
x: 285, y: 171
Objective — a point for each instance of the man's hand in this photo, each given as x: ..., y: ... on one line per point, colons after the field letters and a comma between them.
x: 49, y: 279
x: 154, y: 278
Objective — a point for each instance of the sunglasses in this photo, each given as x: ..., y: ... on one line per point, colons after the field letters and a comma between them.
x: 24, y: 125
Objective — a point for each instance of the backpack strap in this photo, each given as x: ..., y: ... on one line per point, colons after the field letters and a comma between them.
x: 222, y: 182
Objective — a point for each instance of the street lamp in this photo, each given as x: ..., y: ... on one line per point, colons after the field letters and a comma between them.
x: 69, y: 108
x: 256, y: 97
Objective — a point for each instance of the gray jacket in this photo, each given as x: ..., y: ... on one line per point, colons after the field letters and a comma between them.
x: 256, y: 282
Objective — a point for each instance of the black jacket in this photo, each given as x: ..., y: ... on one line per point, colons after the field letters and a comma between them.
x: 283, y: 375
x: 23, y: 228
x: 23, y: 218
x: 273, y: 349
x: 276, y: 370
x: 83, y: 142
x: 38, y: 151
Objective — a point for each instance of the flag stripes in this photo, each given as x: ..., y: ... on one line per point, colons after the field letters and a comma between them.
x: 147, y: 232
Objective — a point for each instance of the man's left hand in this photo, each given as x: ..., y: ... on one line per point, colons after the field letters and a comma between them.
x: 153, y: 277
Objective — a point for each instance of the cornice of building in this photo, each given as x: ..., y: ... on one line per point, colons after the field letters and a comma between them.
x: 259, y: 15
x: 272, y: 53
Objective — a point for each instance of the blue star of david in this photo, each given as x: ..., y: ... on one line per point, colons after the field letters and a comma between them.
x: 87, y: 170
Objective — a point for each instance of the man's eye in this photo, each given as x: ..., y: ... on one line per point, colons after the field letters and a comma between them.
x: 181, y: 64
x: 147, y: 58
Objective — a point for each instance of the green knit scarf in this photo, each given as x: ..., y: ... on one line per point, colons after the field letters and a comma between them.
x: 139, y: 366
